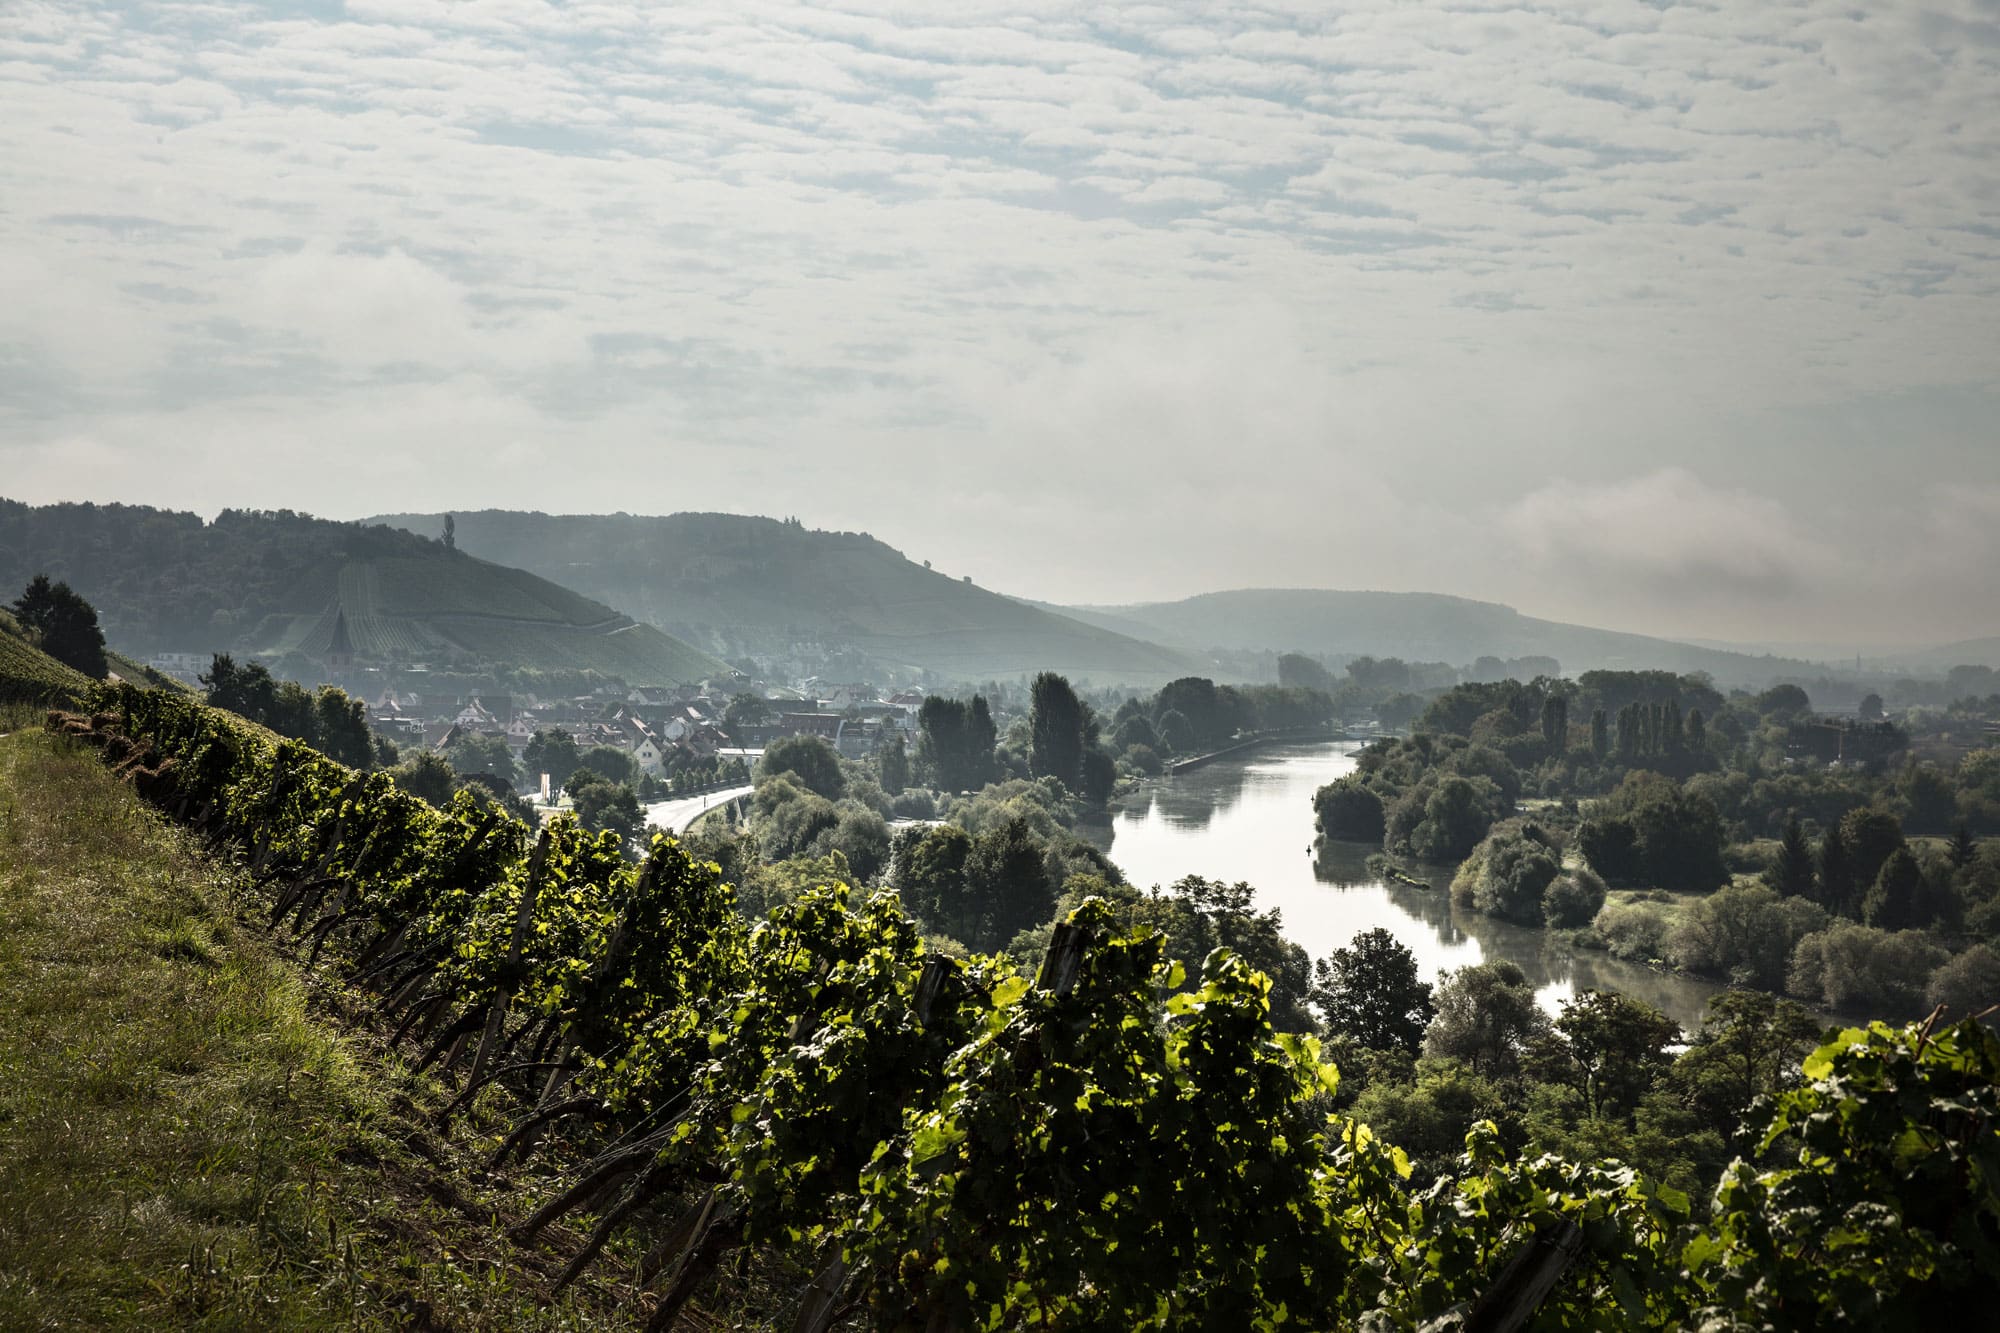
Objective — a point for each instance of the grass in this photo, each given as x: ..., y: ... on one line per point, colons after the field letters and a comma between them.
x: 188, y: 1135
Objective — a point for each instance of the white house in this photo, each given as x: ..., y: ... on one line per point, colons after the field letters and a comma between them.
x: 649, y: 755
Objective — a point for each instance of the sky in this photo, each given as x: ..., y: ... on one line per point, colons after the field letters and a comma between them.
x: 1682, y: 318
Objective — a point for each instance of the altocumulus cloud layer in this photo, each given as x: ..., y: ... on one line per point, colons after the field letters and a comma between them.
x: 1679, y: 317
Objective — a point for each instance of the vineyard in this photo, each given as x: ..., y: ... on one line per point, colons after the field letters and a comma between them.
x: 30, y: 676
x: 932, y: 1143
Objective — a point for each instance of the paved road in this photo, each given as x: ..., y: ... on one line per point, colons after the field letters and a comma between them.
x: 675, y: 816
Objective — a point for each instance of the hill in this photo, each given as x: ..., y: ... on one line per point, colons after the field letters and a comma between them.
x: 288, y: 585
x: 1416, y: 627
x: 1966, y: 652
x: 735, y: 584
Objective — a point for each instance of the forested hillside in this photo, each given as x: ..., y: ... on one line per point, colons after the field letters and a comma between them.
x: 292, y: 585
x: 1425, y: 627
x: 736, y: 584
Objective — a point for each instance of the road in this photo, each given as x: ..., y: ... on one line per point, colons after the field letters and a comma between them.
x: 675, y: 816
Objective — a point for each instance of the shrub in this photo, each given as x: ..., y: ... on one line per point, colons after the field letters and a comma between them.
x: 1348, y: 810
x: 1860, y: 968
x: 1636, y: 931
x: 1573, y: 898
x: 1745, y: 934
x: 1967, y: 984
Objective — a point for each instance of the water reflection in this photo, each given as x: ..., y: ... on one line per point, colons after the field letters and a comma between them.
x: 1251, y: 819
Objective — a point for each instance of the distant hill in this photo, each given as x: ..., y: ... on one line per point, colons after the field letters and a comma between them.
x: 289, y: 584
x: 1414, y: 626
x: 1966, y: 652
x: 736, y: 584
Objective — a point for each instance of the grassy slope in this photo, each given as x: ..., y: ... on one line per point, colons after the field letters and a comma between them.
x: 734, y: 582
x: 185, y: 1140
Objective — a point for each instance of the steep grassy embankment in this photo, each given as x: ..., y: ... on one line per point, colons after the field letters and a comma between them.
x: 189, y: 1135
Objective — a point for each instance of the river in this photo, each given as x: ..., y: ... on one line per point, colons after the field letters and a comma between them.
x: 1251, y: 818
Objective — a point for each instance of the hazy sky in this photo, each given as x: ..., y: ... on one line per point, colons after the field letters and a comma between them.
x: 1678, y: 317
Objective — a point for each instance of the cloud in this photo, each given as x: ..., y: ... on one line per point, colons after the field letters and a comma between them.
x: 1446, y: 268
x: 1668, y: 534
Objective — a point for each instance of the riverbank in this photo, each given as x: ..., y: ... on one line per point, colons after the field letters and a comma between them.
x: 1293, y: 735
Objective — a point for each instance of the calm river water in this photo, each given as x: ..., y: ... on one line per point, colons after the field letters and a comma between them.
x: 1252, y: 819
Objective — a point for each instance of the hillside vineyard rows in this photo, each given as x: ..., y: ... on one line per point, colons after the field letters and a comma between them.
x: 950, y: 1144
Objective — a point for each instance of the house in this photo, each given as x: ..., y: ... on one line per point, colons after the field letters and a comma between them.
x: 651, y: 758
x: 475, y: 718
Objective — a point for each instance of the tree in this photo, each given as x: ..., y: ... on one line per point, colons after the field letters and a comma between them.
x: 1609, y: 1048
x: 1177, y: 733
x: 1791, y: 871
x: 1600, y: 734
x: 1872, y: 836
x: 1870, y: 709
x: 1056, y: 722
x: 1749, y: 1046
x: 955, y: 742
x: 247, y: 691
x: 603, y: 804
x: 1486, y: 1016
x: 450, y: 534
x: 810, y: 759
x: 483, y: 754
x: 1555, y: 723
x: 1454, y: 821
x: 610, y: 763
x: 1370, y: 991
x: 1964, y: 850
x: 1968, y: 984
x: 1349, y: 810
x: 340, y: 728
x: 552, y: 751
x: 66, y: 625
x: 1007, y: 882
x: 1897, y: 900
x: 894, y: 765
x: 426, y: 775
x: 1835, y: 891
x: 928, y: 870
x: 745, y: 710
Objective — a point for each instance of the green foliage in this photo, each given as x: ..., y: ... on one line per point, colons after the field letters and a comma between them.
x: 1852, y: 968
x: 1608, y: 1049
x: 1486, y: 1017
x: 955, y: 742
x: 809, y: 759
x: 602, y: 804
x: 1745, y: 934
x: 65, y: 625
x: 474, y: 753
x: 551, y: 751
x: 893, y: 763
x: 1653, y: 831
x: 1749, y: 1046
x: 1887, y: 1214
x: 1369, y: 992
x: 1349, y: 810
